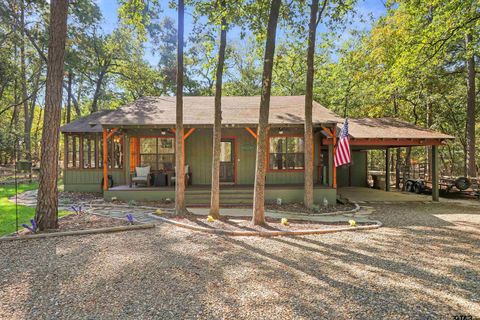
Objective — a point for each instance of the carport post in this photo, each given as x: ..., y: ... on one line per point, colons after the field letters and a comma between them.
x: 387, y: 169
x: 434, y: 165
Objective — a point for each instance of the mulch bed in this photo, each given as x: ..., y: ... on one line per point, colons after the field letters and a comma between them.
x: 245, y: 224
x: 82, y: 221
x: 77, y: 197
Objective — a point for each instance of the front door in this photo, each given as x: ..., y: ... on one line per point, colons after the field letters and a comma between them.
x: 227, y: 161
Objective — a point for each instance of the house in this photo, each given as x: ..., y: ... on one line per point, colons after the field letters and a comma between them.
x: 103, y: 150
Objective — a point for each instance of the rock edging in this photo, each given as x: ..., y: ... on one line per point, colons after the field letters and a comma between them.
x: 375, y: 225
x: 80, y: 232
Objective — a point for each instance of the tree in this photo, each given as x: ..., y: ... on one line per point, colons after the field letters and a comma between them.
x: 263, y: 126
x: 46, y: 214
x: 471, y: 103
x: 179, y: 143
x: 217, y: 126
x: 315, y: 16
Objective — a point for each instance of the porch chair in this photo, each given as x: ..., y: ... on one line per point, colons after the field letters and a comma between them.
x: 141, y: 176
x: 188, y: 177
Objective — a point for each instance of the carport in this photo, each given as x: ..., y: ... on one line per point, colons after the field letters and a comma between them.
x: 387, y: 133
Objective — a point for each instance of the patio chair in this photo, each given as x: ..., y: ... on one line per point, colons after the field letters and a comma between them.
x: 188, y: 176
x: 141, y: 176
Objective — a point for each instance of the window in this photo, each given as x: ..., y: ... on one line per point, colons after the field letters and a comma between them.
x: 88, y: 152
x: 158, y: 153
x: 286, y: 153
x: 115, y: 152
x: 73, y: 151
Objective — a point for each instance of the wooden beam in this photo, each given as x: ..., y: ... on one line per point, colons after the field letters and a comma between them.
x: 112, y: 132
x: 105, y: 160
x: 253, y: 133
x: 387, y: 169
x: 188, y: 134
x: 390, y: 142
x: 435, y: 172
x: 327, y: 130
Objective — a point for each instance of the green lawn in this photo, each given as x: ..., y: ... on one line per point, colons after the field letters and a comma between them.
x: 7, y: 208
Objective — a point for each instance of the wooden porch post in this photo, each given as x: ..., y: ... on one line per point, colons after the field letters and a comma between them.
x: 387, y: 169
x: 105, y: 160
x: 330, y: 165
x: 434, y: 166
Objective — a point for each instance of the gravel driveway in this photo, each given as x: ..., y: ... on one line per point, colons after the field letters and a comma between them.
x: 425, y: 263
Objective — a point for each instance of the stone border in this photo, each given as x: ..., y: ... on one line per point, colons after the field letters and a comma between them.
x: 334, y: 213
x: 376, y: 225
x: 79, y: 232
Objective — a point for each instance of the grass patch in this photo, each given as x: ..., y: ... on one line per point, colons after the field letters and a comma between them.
x: 7, y: 208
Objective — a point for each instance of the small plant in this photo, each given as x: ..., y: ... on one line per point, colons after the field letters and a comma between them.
x: 352, y: 223
x: 78, y: 209
x: 132, y: 203
x: 32, y: 228
x: 210, y: 219
x: 316, y: 208
x: 114, y: 198
x: 159, y: 211
x: 284, y: 222
x: 168, y: 200
x: 130, y: 218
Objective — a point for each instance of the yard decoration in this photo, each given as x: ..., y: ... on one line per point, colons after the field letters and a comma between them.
x: 284, y: 221
x: 159, y: 211
x: 32, y: 228
x: 210, y: 219
x: 352, y: 223
x: 325, y: 202
x: 130, y: 218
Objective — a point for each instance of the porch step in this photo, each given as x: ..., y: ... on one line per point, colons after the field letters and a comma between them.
x: 202, y: 197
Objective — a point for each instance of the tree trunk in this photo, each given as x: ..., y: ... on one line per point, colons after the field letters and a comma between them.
x: 429, y: 150
x: 263, y: 126
x: 26, y: 113
x: 96, y: 95
x: 69, y: 97
x: 397, y: 168
x: 46, y: 214
x: 217, y: 126
x: 470, y: 130
x: 179, y: 143
x: 308, y: 127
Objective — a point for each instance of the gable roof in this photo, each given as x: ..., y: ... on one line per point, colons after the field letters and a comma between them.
x: 390, y: 128
x: 86, y: 123
x: 199, y: 111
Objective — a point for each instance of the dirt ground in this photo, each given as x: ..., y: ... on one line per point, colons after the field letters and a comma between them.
x: 424, y: 263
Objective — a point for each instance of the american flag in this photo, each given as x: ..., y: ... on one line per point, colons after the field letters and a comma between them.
x: 342, y: 151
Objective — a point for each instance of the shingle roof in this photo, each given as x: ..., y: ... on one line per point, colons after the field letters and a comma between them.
x: 86, y: 124
x: 158, y: 111
x: 390, y: 128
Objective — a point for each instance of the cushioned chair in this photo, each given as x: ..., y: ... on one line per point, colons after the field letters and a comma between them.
x: 141, y: 176
x: 188, y: 176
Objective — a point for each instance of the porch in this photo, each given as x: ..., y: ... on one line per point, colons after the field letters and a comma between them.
x: 199, y: 195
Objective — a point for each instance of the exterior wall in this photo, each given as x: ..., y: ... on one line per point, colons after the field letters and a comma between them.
x: 198, y: 155
x: 89, y: 180
x: 356, y: 174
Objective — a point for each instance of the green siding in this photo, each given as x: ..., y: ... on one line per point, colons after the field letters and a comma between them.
x: 357, y: 171
x: 227, y: 196
x: 89, y: 180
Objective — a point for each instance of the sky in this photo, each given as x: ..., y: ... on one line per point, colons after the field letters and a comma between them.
x: 365, y: 8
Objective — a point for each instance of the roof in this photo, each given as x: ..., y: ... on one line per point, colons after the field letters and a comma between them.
x: 199, y: 111
x: 390, y: 128
x: 86, y: 124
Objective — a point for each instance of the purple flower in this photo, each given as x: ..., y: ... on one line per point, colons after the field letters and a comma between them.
x: 32, y: 228
x: 130, y: 218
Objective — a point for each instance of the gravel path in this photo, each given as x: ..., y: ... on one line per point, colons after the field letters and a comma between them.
x: 423, y: 264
